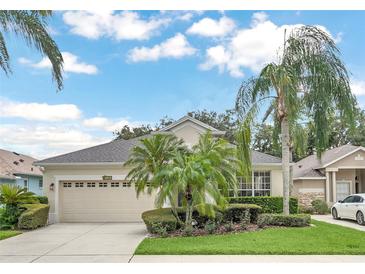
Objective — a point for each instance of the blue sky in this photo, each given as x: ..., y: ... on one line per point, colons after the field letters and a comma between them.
x: 136, y: 67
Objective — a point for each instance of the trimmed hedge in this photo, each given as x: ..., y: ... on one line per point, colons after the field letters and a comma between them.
x: 294, y: 220
x: 42, y: 199
x: 35, y: 215
x: 161, y: 218
x: 269, y: 204
x: 236, y: 213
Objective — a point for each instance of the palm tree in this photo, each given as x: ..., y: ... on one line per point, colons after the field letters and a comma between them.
x: 204, y: 175
x: 32, y: 27
x: 14, y: 195
x: 148, y: 158
x: 308, y: 79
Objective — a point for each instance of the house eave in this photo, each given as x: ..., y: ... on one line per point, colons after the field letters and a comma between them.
x: 81, y: 164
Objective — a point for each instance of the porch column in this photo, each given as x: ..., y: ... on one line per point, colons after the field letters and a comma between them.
x: 334, y: 187
x: 327, y: 190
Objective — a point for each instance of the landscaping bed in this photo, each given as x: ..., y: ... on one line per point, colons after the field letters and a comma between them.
x: 319, y: 239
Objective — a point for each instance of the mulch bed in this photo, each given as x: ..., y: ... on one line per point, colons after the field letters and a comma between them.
x: 220, y: 230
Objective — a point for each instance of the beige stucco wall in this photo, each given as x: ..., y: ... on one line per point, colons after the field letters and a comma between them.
x: 308, y: 190
x: 300, y: 186
x: 189, y: 132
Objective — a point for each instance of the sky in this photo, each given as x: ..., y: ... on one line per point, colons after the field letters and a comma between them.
x: 135, y: 67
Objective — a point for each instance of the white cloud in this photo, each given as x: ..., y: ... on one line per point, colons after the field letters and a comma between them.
x: 41, y: 141
x: 109, y: 125
x: 71, y: 64
x: 174, y: 47
x: 124, y: 25
x: 249, y: 48
x: 212, y: 28
x: 358, y: 87
x: 38, y: 111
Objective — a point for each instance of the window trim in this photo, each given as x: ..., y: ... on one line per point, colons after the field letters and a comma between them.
x: 253, y: 188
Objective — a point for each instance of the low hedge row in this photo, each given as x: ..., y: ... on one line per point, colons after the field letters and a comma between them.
x: 162, y: 220
x: 42, y: 199
x: 269, y: 204
x: 294, y: 220
x: 159, y: 218
x: 34, y: 216
x: 236, y: 213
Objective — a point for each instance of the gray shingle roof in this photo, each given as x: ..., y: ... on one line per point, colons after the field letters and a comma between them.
x: 113, y: 152
x: 118, y: 151
x: 310, y: 166
x: 12, y: 164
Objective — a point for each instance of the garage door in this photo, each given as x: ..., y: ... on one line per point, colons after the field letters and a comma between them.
x: 101, y: 201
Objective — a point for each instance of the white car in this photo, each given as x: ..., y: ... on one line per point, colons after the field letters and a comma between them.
x: 352, y: 207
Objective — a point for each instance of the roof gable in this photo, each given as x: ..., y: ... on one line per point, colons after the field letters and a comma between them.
x: 309, y: 166
x: 195, y: 121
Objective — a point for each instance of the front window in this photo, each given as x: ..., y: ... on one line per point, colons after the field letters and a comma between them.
x: 261, y: 185
x: 26, y: 184
x: 40, y: 184
x: 262, y: 181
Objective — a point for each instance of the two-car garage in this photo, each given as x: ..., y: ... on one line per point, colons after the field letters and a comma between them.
x: 101, y: 201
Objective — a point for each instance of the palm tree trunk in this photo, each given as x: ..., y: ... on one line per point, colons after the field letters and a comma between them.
x: 291, y: 184
x: 285, y: 146
x: 189, y: 209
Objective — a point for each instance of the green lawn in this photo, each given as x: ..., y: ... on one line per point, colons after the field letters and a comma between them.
x: 323, y: 238
x: 8, y: 233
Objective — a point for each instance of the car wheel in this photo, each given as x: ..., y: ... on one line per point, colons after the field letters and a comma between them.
x: 335, y: 214
x: 360, y: 218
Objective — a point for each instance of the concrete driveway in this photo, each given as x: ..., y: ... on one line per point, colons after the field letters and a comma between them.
x: 75, y: 242
x: 346, y: 223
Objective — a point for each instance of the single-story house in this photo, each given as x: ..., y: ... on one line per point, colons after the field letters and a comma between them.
x: 89, y: 185
x: 338, y: 173
x: 18, y: 169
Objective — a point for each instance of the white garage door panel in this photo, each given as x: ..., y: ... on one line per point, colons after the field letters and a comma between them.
x: 101, y: 204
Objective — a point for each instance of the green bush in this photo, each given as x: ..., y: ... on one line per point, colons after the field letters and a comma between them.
x: 320, y: 206
x: 159, y: 219
x: 35, y: 215
x: 294, y: 220
x: 306, y: 209
x: 9, y: 216
x: 269, y: 204
x: 42, y: 199
x: 238, y: 213
x: 210, y: 227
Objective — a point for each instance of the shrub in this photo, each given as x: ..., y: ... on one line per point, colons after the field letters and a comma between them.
x: 202, y: 220
x: 294, y: 220
x: 188, y: 231
x: 269, y: 204
x: 306, y: 209
x: 238, y: 213
x: 42, y: 199
x: 320, y: 206
x: 35, y: 215
x: 210, y: 227
x: 9, y: 216
x: 159, y: 219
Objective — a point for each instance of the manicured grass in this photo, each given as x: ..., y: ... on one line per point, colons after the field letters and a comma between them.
x: 323, y: 238
x: 8, y: 233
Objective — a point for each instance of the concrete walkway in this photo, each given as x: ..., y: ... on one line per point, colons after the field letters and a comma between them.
x: 248, y: 259
x: 346, y: 223
x: 97, y: 242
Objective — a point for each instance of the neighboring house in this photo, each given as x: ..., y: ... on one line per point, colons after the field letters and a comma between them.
x: 89, y: 185
x: 18, y: 169
x: 339, y: 173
